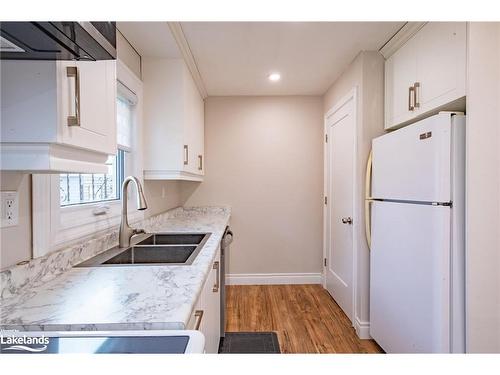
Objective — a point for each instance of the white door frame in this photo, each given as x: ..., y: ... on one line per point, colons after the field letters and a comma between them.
x: 352, y: 95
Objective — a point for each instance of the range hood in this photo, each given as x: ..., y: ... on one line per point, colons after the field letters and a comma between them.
x: 58, y: 41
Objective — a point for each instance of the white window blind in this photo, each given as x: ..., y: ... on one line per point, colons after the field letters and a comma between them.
x: 124, y: 110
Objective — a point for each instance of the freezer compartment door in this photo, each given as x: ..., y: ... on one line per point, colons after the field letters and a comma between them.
x: 410, y: 278
x: 413, y: 163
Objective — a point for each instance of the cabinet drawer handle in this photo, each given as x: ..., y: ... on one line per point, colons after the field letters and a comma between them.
x: 199, y: 315
x: 200, y: 162
x: 72, y: 72
x: 186, y: 154
x: 411, y: 90
x: 416, y: 86
x: 216, y: 267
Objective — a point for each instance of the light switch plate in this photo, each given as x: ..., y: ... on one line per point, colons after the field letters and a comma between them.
x: 9, y: 208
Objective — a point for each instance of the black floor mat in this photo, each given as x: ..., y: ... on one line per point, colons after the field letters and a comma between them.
x: 249, y: 342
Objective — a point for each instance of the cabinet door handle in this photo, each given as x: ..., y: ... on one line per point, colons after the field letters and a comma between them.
x: 411, y: 89
x: 186, y: 154
x: 200, y: 162
x: 216, y: 267
x: 416, y: 86
x: 199, y: 315
x: 72, y: 72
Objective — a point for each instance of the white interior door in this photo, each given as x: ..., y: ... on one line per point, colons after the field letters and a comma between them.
x: 340, y: 127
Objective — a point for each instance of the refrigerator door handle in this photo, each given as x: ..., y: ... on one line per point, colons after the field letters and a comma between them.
x: 368, y: 222
x: 368, y: 201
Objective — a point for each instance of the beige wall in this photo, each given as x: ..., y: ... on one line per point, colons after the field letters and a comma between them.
x: 162, y: 196
x: 15, y: 242
x: 351, y: 77
x: 366, y: 73
x: 483, y: 189
x: 264, y: 158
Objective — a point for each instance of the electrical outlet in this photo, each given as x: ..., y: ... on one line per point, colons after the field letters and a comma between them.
x: 10, y: 208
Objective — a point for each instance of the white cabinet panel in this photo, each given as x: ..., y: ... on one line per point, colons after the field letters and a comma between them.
x: 97, y: 96
x: 210, y: 300
x: 433, y: 63
x: 206, y: 312
x: 38, y: 97
x: 400, y: 74
x: 174, y: 122
x: 194, y: 318
x: 195, y: 128
x: 207, y: 317
x: 441, y: 63
x: 28, y: 95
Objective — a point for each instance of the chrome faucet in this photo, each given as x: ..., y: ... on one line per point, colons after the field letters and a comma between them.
x: 126, y: 232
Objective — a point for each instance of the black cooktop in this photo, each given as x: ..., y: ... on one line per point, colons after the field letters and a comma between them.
x: 99, y: 345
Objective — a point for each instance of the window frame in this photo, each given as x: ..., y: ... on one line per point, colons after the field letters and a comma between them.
x: 56, y: 226
x: 119, y: 175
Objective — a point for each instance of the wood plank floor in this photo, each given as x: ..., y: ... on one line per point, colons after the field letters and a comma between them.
x: 305, y: 317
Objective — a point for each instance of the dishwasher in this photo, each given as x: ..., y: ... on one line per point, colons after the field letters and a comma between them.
x: 227, y: 238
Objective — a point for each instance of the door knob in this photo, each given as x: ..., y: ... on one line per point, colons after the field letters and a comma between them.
x: 346, y: 220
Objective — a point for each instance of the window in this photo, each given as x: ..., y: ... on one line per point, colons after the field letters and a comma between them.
x: 92, y: 188
x: 77, y: 189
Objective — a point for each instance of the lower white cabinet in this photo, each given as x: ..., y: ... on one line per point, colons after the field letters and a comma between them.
x: 205, y: 316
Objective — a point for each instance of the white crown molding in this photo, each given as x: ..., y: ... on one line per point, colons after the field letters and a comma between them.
x: 187, y: 54
x: 404, y: 34
x: 273, y: 278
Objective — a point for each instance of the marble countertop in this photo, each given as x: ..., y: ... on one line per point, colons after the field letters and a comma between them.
x: 124, y: 297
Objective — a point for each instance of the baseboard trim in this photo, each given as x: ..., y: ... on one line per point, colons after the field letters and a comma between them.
x: 273, y: 278
x: 362, y: 329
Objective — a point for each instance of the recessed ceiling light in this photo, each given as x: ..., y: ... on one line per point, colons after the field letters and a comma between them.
x: 273, y: 77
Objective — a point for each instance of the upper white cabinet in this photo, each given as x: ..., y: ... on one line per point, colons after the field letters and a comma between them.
x: 400, y: 74
x: 174, y: 122
x: 58, y: 116
x: 427, y: 74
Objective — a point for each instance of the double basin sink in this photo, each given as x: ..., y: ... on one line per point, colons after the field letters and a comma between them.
x: 153, y: 249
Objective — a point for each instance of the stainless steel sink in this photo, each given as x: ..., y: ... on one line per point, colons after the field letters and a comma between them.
x: 153, y: 249
x: 173, y: 239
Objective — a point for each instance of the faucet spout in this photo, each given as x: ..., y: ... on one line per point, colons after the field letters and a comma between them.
x: 126, y: 232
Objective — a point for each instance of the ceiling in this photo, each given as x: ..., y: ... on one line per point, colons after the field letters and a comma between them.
x: 235, y: 58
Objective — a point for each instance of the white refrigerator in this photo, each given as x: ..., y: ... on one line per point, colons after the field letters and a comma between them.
x: 417, y: 265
